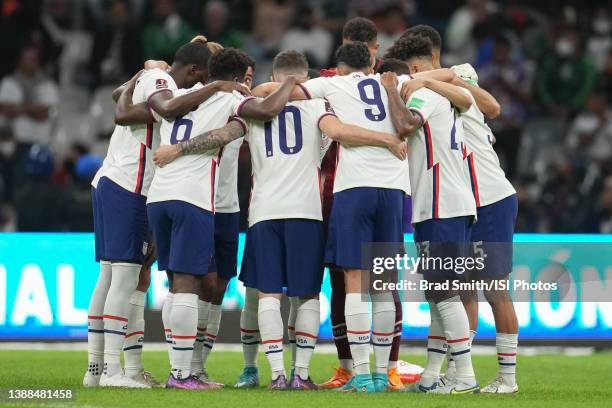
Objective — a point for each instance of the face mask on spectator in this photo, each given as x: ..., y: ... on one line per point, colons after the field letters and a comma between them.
x: 564, y: 47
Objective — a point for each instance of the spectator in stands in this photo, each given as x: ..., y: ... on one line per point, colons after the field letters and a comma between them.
x: 77, y: 213
x: 565, y: 77
x: 216, y: 27
x: 308, y: 38
x: 167, y: 33
x: 590, y: 135
x: 459, y: 33
x: 116, y: 53
x: 509, y: 80
x: 391, y: 23
x: 599, y: 43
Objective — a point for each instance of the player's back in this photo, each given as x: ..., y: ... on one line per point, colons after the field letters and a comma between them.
x: 191, y: 178
x: 437, y: 173
x: 488, y: 180
x: 361, y: 100
x: 285, y: 153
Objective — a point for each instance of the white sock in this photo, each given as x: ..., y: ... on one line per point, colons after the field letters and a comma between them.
x: 271, y: 328
x: 184, y: 323
x: 451, y: 369
x: 358, y: 323
x: 116, y: 312
x: 457, y: 333
x: 507, y: 350
x: 166, y: 309
x: 212, y: 330
x: 249, y: 328
x: 436, y: 351
x: 346, y: 364
x: 95, y: 321
x: 134, y: 339
x: 392, y: 364
x: 383, y: 329
x: 307, y: 325
x: 294, y: 303
x: 197, y: 365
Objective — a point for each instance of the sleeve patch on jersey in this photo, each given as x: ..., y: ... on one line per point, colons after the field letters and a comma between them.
x: 161, y: 83
x: 416, y: 103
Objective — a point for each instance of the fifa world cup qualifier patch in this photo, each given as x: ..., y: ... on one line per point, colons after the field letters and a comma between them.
x: 161, y: 84
x: 416, y: 103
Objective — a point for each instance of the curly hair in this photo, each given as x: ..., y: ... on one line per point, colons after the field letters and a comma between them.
x: 193, y: 53
x: 410, y: 47
x: 393, y: 65
x: 426, y: 31
x: 229, y: 63
x: 359, y: 29
x: 355, y: 55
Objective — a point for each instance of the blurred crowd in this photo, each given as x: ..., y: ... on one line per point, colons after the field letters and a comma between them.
x: 549, y: 63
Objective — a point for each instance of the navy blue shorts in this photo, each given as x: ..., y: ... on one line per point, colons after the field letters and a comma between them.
x: 120, y: 223
x: 443, y: 239
x: 225, y: 259
x: 492, y: 236
x: 184, y: 235
x: 284, y: 254
x: 360, y: 216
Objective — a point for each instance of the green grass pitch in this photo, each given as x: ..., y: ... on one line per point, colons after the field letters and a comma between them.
x: 545, y: 381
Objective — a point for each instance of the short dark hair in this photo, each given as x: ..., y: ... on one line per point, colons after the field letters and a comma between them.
x: 193, y: 53
x: 360, y: 29
x: 355, y: 55
x: 290, y: 61
x: 410, y: 47
x: 393, y: 65
x: 229, y: 63
x: 426, y: 31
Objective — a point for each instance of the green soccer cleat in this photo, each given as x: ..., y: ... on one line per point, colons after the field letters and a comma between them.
x: 359, y: 383
x: 248, y: 379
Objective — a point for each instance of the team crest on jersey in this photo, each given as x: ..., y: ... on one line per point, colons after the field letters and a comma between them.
x: 161, y: 84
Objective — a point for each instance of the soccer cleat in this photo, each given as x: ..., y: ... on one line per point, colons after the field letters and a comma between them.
x: 359, y: 383
x: 120, y: 380
x: 280, y: 384
x: 298, y: 384
x: 381, y: 381
x: 189, y: 383
x: 248, y: 379
x: 90, y: 380
x: 395, y: 382
x: 497, y: 386
x: 457, y: 387
x: 420, y: 388
x: 340, y: 378
x: 145, y: 377
x: 205, y: 377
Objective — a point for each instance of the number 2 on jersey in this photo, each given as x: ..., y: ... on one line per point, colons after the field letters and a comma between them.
x: 179, y: 123
x: 375, y: 100
x: 282, y: 132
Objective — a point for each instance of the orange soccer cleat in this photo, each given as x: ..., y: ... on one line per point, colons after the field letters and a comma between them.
x: 395, y: 382
x: 340, y: 377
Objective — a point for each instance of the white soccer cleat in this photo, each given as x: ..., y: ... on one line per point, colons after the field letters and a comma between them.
x: 497, y: 386
x: 145, y: 377
x: 90, y: 380
x: 122, y: 381
x: 457, y: 388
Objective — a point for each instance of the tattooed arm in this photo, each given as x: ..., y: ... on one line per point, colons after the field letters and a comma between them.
x: 213, y: 139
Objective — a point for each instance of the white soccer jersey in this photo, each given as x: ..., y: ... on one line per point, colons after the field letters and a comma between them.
x: 438, y: 176
x: 226, y: 200
x: 488, y: 181
x: 286, y: 157
x: 361, y: 100
x: 125, y: 162
x: 191, y: 178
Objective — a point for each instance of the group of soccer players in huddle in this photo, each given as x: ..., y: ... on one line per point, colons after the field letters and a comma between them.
x: 333, y: 160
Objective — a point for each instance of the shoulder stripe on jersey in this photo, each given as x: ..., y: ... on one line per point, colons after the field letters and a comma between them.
x: 305, y: 90
x: 428, y: 139
x: 155, y: 93
x: 241, y: 104
x: 241, y: 122
x: 435, y: 202
x: 324, y: 115
x: 473, y: 178
x: 141, y: 168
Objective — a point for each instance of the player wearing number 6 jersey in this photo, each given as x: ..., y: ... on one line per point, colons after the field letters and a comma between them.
x: 443, y: 209
x: 181, y: 202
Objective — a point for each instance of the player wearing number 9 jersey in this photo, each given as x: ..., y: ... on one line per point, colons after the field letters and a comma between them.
x: 443, y: 211
x: 181, y: 202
